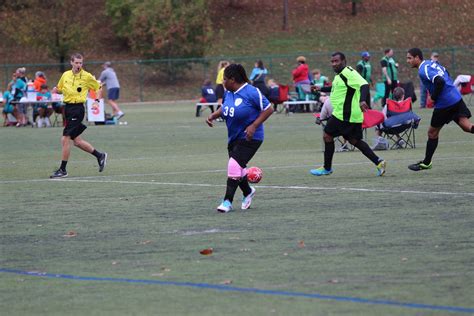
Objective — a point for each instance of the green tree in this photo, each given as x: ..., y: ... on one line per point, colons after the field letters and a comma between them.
x: 162, y: 28
x: 54, y: 26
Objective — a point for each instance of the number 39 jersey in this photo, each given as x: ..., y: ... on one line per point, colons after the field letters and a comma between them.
x: 240, y: 109
x: 449, y: 96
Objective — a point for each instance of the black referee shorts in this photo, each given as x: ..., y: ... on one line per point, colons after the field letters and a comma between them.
x: 453, y: 113
x: 242, y: 150
x: 74, y: 113
x: 220, y: 91
x: 336, y: 127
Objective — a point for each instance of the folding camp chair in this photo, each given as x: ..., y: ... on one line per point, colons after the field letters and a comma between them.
x: 466, y: 89
x: 282, y: 96
x: 399, y: 127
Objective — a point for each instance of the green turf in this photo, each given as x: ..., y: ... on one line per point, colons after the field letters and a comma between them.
x: 364, y: 236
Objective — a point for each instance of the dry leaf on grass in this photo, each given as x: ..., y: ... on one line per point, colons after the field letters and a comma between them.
x: 333, y: 281
x: 70, y: 234
x: 165, y: 269
x: 206, y: 252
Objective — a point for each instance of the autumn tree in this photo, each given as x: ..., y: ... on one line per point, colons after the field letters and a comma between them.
x: 54, y: 26
x: 162, y: 28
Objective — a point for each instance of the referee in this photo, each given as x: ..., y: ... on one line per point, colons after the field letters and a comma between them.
x: 348, y: 94
x: 75, y: 85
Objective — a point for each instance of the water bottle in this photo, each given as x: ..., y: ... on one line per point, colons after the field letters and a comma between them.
x: 30, y: 91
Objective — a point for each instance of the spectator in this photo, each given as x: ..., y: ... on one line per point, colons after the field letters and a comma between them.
x: 461, y: 80
x: 320, y: 81
x: 301, y: 72
x: 208, y: 95
x: 40, y: 79
x: 43, y: 110
x: 108, y: 78
x: 389, y: 73
x: 17, y: 88
x: 257, y: 77
x: 365, y: 69
x: 9, y: 109
x: 381, y: 143
x: 273, y: 93
x: 423, y: 90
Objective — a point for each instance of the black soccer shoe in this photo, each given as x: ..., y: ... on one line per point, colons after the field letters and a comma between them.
x: 58, y: 174
x: 102, y: 161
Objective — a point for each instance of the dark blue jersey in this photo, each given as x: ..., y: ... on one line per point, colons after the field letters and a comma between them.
x: 240, y: 109
x: 208, y: 93
x: 428, y: 71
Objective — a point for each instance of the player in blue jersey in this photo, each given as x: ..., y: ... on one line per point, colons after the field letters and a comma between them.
x: 244, y: 109
x: 448, y: 103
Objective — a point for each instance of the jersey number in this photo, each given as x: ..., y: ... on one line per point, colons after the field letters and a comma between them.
x: 229, y: 111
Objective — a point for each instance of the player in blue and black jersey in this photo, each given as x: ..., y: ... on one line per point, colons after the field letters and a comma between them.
x: 244, y: 109
x: 448, y: 103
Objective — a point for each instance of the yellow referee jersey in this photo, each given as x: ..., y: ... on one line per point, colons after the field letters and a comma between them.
x: 75, y: 87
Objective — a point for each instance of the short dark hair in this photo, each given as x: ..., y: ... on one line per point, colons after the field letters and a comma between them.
x: 343, y: 57
x: 236, y: 72
x: 260, y: 64
x: 416, y: 52
x: 76, y: 56
x: 398, y: 93
x: 387, y: 50
x: 44, y: 86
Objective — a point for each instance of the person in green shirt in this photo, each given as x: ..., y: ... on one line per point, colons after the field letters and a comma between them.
x: 348, y: 93
x: 389, y: 73
x: 365, y: 69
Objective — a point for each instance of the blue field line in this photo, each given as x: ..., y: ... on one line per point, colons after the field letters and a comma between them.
x: 217, y: 287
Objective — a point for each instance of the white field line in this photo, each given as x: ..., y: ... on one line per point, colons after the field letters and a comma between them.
x: 278, y: 187
x: 224, y: 170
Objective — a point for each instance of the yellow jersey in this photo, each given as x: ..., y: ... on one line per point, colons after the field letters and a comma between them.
x: 75, y: 87
x: 220, y: 76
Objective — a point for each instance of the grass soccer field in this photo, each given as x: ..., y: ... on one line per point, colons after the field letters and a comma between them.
x: 128, y: 240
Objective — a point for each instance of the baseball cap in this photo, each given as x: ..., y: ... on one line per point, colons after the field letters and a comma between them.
x: 364, y: 54
x: 107, y: 64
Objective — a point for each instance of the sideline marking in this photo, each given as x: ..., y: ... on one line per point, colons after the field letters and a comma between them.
x: 271, y: 187
x: 290, y: 187
x: 217, y: 287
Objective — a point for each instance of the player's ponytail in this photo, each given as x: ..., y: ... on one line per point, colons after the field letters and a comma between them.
x: 236, y: 72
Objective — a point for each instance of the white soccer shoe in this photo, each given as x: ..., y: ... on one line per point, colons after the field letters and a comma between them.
x: 225, y: 206
x: 247, y: 200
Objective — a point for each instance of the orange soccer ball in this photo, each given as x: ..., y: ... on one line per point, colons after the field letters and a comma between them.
x: 254, y: 174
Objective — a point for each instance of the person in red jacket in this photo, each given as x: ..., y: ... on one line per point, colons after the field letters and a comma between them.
x: 301, y: 72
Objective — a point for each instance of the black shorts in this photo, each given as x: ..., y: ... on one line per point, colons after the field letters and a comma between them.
x: 242, y: 150
x: 220, y: 91
x: 336, y: 128
x: 74, y: 115
x: 446, y: 115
